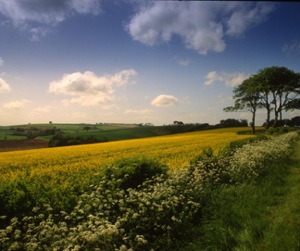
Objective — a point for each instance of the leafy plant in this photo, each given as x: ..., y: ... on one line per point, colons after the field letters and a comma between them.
x: 132, y: 172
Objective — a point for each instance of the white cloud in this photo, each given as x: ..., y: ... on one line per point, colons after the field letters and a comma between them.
x: 1, y: 61
x: 16, y: 105
x: 247, y: 15
x: 292, y: 47
x: 201, y: 25
x: 184, y: 62
x: 136, y: 111
x: 44, y: 109
x: 4, y: 86
x: 164, y: 101
x: 34, y: 16
x: 88, y: 89
x: 212, y: 77
x: 230, y: 79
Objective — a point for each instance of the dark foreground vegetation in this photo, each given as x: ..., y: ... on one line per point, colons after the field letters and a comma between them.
x: 233, y: 201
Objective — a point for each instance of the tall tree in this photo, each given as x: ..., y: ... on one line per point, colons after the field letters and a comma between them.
x: 279, y: 87
x: 263, y: 87
x: 247, y: 97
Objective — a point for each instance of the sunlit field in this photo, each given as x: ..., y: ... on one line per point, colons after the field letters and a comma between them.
x: 174, y: 150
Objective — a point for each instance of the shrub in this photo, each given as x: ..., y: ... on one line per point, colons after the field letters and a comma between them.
x: 279, y: 130
x: 132, y: 172
x: 61, y: 139
x: 255, y: 160
x: 231, y: 148
x: 206, y: 154
x: 213, y: 169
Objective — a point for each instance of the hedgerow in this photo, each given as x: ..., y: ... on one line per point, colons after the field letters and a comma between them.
x: 156, y: 214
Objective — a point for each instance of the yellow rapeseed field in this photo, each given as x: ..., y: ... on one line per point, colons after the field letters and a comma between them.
x: 174, y: 150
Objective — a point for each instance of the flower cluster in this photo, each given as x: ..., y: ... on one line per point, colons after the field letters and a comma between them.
x: 159, y: 211
x: 255, y: 160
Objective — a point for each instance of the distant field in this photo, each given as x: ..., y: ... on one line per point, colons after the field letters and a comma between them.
x: 174, y: 150
x: 110, y: 132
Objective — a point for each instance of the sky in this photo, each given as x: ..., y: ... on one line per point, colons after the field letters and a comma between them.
x: 134, y: 61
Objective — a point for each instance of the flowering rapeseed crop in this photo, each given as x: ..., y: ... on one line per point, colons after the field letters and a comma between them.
x: 174, y: 150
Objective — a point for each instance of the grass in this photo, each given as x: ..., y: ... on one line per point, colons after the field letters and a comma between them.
x: 255, y: 216
x: 5, y: 134
x: 110, y: 132
x: 284, y: 231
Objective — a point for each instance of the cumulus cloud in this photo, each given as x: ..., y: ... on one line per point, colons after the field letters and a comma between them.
x: 164, y: 101
x: 212, y: 77
x: 34, y: 15
x: 244, y: 16
x: 16, y: 105
x: 135, y: 111
x: 201, y: 25
x: 4, y: 86
x: 88, y: 89
x: 230, y: 79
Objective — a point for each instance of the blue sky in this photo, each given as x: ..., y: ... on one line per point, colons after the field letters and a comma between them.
x: 92, y: 61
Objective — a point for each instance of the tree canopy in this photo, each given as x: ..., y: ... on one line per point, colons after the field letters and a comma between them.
x: 273, y: 88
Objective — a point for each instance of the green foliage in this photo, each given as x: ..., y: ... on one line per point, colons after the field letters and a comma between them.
x: 61, y: 139
x: 231, y: 148
x: 254, y: 216
x: 136, y: 206
x: 206, y: 154
x: 273, y: 88
x: 32, y: 132
x: 279, y: 130
x: 132, y: 172
x: 233, y: 123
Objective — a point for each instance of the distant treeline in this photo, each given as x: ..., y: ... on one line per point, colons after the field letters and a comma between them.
x: 61, y: 139
x: 33, y: 132
x: 180, y: 127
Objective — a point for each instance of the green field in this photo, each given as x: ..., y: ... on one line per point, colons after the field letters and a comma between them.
x: 110, y: 132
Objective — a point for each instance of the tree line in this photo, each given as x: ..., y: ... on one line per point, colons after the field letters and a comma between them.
x: 275, y: 89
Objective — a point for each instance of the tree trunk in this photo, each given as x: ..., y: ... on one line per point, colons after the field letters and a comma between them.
x: 276, y: 110
x: 268, y: 108
x: 253, y: 121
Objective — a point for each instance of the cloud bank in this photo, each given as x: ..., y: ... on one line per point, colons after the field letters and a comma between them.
x: 164, y: 101
x: 230, y: 79
x: 88, y: 89
x: 201, y: 25
x: 137, y: 111
x: 16, y: 105
x: 4, y: 86
x: 35, y: 16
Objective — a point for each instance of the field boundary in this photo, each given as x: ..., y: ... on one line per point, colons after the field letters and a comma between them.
x: 23, y: 144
